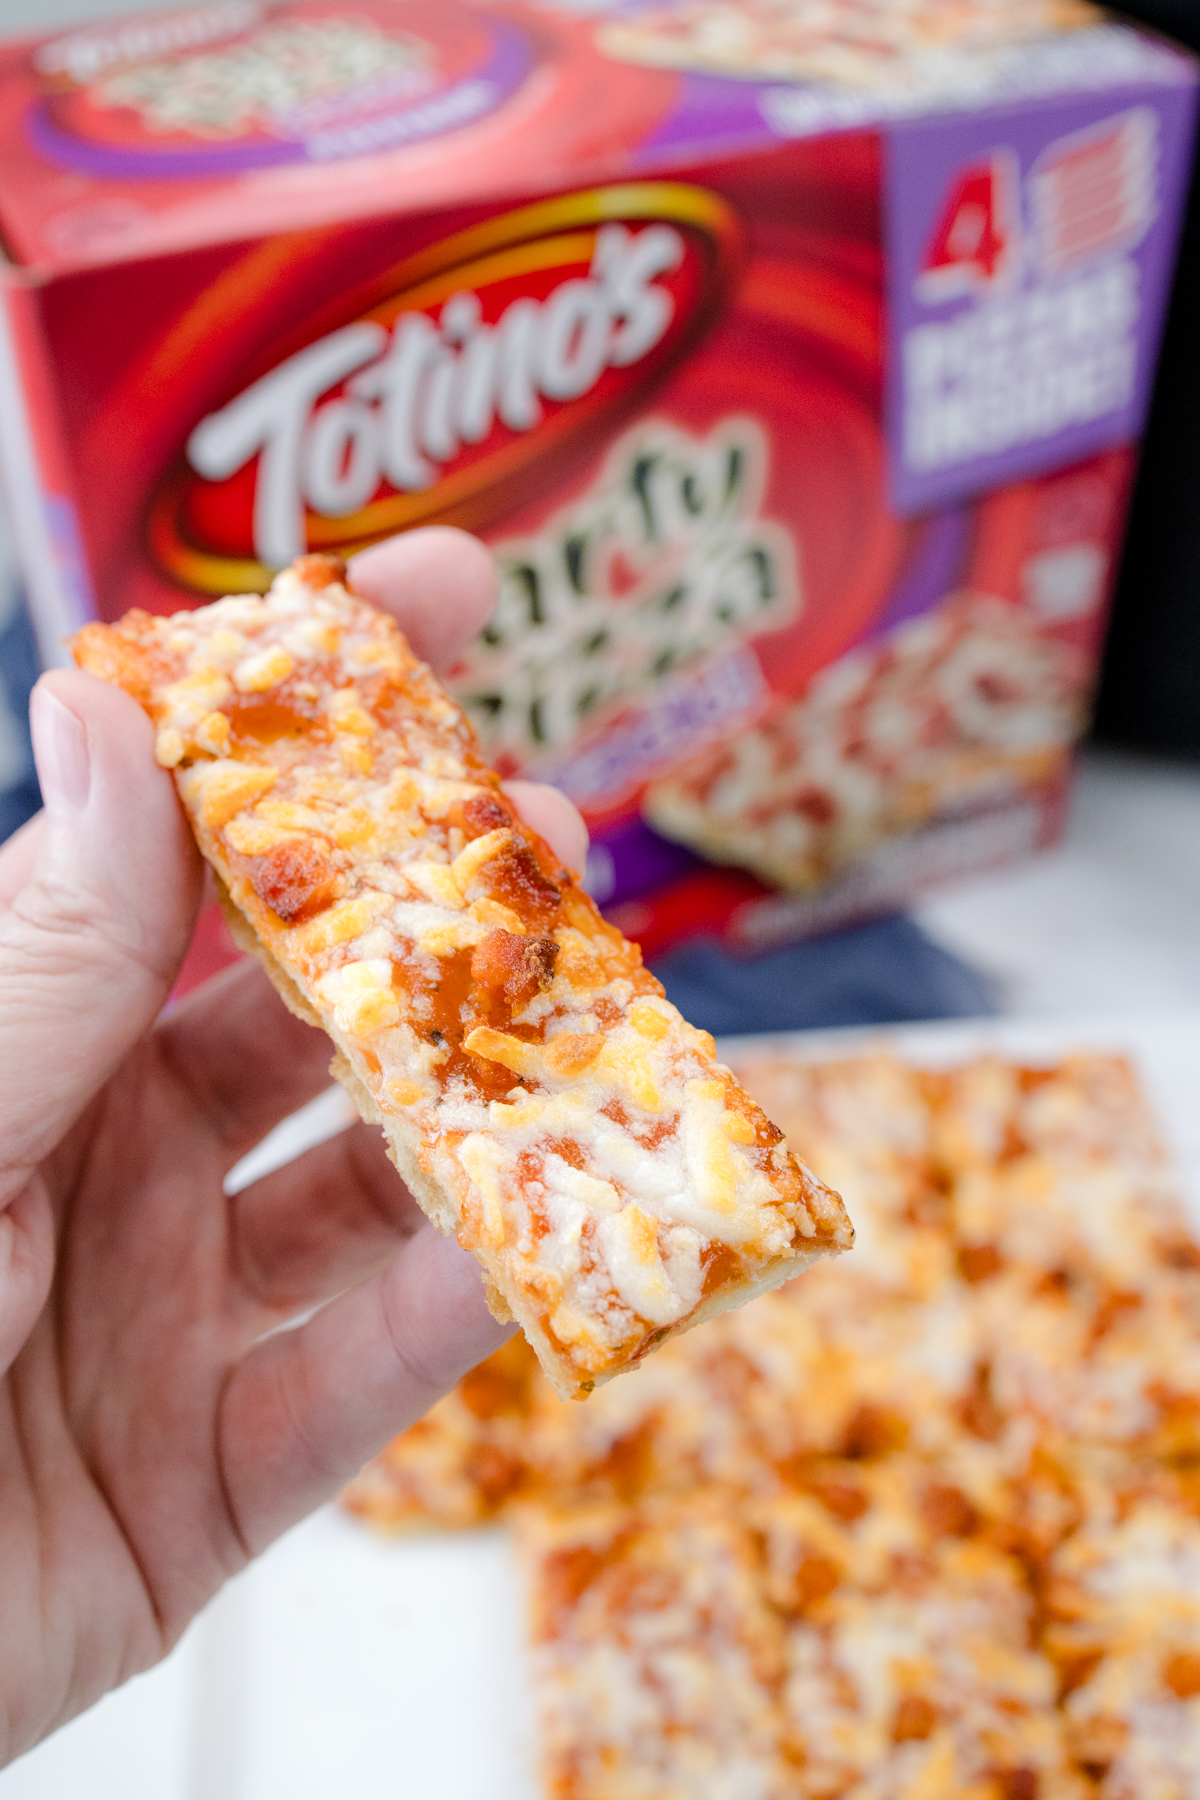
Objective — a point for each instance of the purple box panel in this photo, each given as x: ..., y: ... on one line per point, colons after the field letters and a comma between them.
x: 1029, y: 252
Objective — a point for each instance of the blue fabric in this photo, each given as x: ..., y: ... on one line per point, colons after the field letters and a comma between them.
x: 19, y: 796
x: 885, y: 973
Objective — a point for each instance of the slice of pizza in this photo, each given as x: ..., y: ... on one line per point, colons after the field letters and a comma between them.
x: 542, y: 1099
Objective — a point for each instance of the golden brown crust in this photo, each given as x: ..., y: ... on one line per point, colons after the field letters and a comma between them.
x: 540, y: 1097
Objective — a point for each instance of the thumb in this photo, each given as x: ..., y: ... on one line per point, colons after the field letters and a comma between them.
x: 91, y: 944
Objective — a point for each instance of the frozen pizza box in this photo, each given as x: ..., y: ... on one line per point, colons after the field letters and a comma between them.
x: 791, y: 355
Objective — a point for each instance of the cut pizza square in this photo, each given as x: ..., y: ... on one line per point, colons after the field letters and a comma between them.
x: 539, y: 1095
x: 657, y: 1663
x: 913, y: 1665
x: 1123, y: 1602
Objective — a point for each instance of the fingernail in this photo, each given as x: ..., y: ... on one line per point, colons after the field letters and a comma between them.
x: 61, y: 751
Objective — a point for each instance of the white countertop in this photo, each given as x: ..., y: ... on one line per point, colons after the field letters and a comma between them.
x: 1108, y: 922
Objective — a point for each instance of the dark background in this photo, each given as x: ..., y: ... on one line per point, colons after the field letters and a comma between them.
x: 1149, y: 694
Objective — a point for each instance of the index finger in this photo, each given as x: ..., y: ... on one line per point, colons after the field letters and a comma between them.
x: 439, y: 584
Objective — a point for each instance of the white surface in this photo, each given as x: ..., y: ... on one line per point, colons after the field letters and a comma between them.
x: 338, y: 1664
x: 342, y: 1664
x: 1107, y: 922
x: 397, y: 1666
x: 136, y: 1745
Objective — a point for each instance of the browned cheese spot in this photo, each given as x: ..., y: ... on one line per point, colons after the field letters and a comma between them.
x: 481, y: 814
x: 842, y: 1498
x: 515, y: 880
x: 1112, y: 1309
x: 1017, y: 1784
x: 874, y: 1431
x: 947, y: 1511
x: 915, y: 1719
x: 508, y: 970
x: 978, y: 1410
x: 1094, y: 1742
x: 1073, y: 1671
x: 319, y: 571
x: 565, y: 1579
x: 816, y: 1579
x: 495, y: 1475
x: 1179, y: 1253
x: 296, y: 880
x: 1182, y: 1674
x: 978, y: 1262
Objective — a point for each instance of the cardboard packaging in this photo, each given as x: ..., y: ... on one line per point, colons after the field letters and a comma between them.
x: 790, y: 357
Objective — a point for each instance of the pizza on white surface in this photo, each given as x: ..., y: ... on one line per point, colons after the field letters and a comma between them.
x: 1022, y: 1272
x: 540, y: 1097
x: 863, y: 1638
x: 913, y: 1662
x: 940, y: 1502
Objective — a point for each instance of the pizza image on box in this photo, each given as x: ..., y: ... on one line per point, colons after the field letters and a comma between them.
x: 957, y: 708
x: 288, y: 64
x: 243, y: 86
x: 855, y: 43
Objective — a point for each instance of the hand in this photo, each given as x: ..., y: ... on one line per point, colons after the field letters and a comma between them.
x: 153, y: 1436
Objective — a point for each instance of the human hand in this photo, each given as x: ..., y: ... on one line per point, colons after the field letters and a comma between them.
x: 153, y: 1436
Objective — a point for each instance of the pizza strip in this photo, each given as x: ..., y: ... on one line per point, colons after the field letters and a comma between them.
x: 539, y: 1095
x: 861, y: 1638
x: 912, y: 1661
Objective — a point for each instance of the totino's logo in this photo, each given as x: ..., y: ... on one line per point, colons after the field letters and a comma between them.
x: 456, y: 390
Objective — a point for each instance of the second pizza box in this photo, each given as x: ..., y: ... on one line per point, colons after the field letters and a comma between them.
x: 790, y: 358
